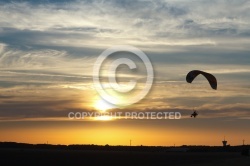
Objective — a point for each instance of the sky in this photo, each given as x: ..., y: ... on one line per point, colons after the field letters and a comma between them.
x: 47, y: 53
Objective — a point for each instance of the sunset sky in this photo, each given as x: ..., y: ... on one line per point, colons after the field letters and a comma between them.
x: 48, y: 49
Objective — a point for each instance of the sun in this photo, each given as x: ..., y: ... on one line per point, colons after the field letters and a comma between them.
x: 102, y: 105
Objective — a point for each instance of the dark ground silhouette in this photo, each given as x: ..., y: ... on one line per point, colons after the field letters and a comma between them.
x: 44, y: 154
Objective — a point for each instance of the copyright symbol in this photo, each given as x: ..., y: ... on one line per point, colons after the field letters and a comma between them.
x: 112, y: 91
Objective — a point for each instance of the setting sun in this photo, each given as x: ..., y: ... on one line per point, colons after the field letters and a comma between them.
x: 102, y: 105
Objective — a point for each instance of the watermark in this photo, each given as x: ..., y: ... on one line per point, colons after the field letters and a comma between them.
x: 115, y: 98
x: 124, y: 115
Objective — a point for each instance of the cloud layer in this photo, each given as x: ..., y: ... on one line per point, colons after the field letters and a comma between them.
x: 50, y: 47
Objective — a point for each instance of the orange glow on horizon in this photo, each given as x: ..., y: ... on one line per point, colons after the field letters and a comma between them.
x: 113, y: 133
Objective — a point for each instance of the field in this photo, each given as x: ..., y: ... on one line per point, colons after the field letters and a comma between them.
x: 88, y: 157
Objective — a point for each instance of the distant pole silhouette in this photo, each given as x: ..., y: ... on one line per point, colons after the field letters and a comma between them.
x: 243, y: 142
x: 130, y: 142
x: 224, y: 142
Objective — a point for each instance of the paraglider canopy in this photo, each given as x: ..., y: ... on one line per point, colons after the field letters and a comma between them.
x: 194, y: 73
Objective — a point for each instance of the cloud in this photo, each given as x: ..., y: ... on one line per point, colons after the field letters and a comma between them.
x: 5, y: 97
x: 2, y: 47
x: 43, y: 61
x: 157, y: 23
x: 36, y: 109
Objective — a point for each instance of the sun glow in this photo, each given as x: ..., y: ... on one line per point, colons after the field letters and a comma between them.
x: 102, y: 105
x: 104, y: 118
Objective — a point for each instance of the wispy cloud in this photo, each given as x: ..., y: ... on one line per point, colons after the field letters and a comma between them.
x: 96, y: 23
